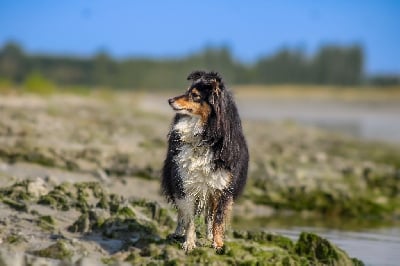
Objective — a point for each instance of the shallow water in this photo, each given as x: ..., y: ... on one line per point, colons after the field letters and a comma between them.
x: 379, y: 247
x: 372, y: 241
x: 375, y: 122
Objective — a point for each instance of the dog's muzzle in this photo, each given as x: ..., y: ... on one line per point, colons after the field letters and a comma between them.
x: 171, y: 103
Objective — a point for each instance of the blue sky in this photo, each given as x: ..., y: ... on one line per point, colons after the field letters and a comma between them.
x: 178, y: 28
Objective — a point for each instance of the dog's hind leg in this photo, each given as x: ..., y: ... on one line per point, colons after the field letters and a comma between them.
x: 221, y: 218
x: 209, y: 215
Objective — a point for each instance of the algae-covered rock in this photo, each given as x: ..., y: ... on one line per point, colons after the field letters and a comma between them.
x: 155, y: 211
x: 320, y: 251
x: 302, y: 169
x: 59, y: 197
x: 310, y: 249
x: 135, y: 231
x: 81, y: 196
x: 61, y: 250
x: 17, y: 194
x: 247, y: 248
x: 265, y: 237
x: 81, y: 225
x: 17, y: 205
x: 46, y: 222
x: 14, y: 239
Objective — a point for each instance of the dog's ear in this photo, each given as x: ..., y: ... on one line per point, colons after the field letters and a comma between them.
x: 213, y: 76
x: 196, y: 75
x: 215, y: 80
x: 214, y: 84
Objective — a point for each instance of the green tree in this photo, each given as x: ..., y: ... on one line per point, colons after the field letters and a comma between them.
x: 104, y: 69
x: 338, y: 65
x: 12, y: 62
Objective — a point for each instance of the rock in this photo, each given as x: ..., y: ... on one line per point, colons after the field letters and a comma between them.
x: 102, y: 175
x: 318, y: 250
x: 37, y: 187
x: 11, y: 257
x: 321, y: 157
x: 61, y: 250
x: 81, y: 225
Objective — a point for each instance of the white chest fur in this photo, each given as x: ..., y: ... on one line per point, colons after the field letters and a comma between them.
x: 195, y: 162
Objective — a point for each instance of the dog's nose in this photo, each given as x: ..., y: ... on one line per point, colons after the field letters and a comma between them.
x: 170, y: 101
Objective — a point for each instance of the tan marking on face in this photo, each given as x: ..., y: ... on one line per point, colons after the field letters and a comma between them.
x: 183, y: 102
x: 195, y: 91
x: 201, y: 109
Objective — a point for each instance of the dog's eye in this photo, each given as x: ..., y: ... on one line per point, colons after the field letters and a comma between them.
x: 196, y: 97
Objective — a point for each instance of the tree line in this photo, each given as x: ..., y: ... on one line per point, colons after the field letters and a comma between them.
x: 330, y: 65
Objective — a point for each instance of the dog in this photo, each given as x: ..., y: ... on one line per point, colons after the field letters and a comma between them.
x: 205, y: 169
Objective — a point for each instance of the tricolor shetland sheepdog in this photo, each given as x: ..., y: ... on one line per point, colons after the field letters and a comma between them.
x: 207, y: 159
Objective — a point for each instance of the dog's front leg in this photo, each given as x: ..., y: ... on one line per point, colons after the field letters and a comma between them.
x: 180, y: 228
x: 190, y: 240
x: 186, y: 208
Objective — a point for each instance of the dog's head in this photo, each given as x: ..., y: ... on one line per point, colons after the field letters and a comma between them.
x: 200, y: 98
x: 209, y: 99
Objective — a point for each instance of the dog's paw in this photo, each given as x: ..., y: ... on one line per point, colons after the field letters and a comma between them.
x: 175, y: 238
x: 188, y: 246
x: 219, y: 248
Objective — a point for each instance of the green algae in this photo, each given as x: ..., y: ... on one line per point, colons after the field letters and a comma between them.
x: 126, y: 212
x: 320, y: 251
x: 56, y: 199
x: 248, y: 248
x: 314, y: 247
x: 81, y: 225
x: 79, y: 196
x: 109, y: 261
x: 372, y: 151
x: 116, y: 215
x: 60, y: 250
x: 26, y: 152
x: 376, y: 197
x: 17, y: 205
x: 326, y: 174
x: 19, y: 190
x: 153, y: 209
x: 94, y: 187
x: 330, y: 204
x: 15, y: 194
x: 14, y: 239
x: 265, y: 238
x: 103, y: 203
x: 46, y: 222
